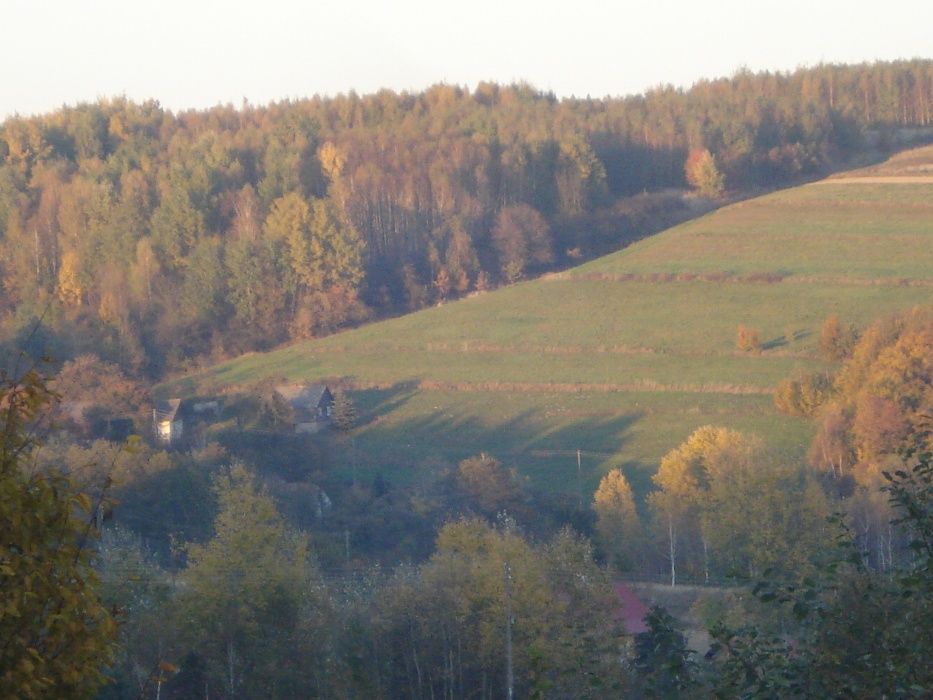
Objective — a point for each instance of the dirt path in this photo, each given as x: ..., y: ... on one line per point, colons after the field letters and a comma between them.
x: 880, y: 180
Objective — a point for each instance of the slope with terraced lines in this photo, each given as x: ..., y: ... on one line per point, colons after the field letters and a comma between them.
x: 623, y: 357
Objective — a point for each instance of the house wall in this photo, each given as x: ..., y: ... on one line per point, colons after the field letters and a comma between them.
x: 170, y: 430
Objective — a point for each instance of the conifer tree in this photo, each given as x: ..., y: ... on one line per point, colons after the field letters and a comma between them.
x: 344, y: 411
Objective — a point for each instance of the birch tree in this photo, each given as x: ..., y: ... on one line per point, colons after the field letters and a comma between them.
x: 248, y: 601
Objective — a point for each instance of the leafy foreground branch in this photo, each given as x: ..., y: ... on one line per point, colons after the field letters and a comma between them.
x: 55, y: 635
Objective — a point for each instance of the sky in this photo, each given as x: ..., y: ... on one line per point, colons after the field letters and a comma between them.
x: 199, y: 53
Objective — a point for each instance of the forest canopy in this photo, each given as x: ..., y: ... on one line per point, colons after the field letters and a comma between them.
x: 150, y: 238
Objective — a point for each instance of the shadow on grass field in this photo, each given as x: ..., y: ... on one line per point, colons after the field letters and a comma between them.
x: 403, y: 432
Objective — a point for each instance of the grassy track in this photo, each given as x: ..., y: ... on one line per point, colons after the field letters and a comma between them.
x: 624, y: 356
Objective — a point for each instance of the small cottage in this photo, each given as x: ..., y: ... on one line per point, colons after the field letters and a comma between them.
x: 312, y: 405
x: 166, y: 421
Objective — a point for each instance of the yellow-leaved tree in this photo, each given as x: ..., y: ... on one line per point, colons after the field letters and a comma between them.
x: 881, y: 405
x: 617, y: 523
x: 727, y: 504
x: 703, y: 174
x: 683, y: 480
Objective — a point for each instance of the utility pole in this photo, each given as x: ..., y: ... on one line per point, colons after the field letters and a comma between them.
x: 509, y: 671
x: 579, y: 481
x: 35, y: 236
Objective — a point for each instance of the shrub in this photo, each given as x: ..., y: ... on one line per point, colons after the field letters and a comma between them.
x: 837, y: 342
x: 802, y: 397
x: 748, y: 339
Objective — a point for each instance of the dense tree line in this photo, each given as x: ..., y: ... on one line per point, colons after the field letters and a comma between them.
x: 847, y: 630
x: 727, y: 507
x: 151, y: 238
x: 253, y: 614
x: 878, y: 404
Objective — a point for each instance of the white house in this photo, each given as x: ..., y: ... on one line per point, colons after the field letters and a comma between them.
x: 166, y: 422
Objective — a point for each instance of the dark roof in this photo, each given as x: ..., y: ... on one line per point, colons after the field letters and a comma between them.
x: 167, y: 410
x: 304, y: 396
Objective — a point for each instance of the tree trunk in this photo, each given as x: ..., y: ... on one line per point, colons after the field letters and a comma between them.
x: 414, y: 657
x: 509, y: 671
x: 231, y: 676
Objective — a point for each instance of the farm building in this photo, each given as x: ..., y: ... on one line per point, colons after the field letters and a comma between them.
x: 311, y: 405
x: 177, y: 419
x: 167, y: 423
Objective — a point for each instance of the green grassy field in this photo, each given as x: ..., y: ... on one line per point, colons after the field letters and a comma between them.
x: 833, y: 232
x: 624, y: 356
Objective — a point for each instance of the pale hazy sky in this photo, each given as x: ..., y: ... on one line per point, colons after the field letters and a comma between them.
x: 198, y: 53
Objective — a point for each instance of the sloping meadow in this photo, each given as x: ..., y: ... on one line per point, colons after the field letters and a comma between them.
x: 623, y: 357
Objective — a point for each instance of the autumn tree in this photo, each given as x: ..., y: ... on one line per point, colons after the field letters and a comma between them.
x: 96, y: 391
x: 521, y: 238
x: 703, y: 174
x: 762, y: 514
x: 288, y: 223
x: 444, y: 628
x: 880, y: 407
x: 324, y: 261
x: 882, y: 394
x: 730, y: 506
x: 748, y: 339
x: 836, y: 340
x: 803, y: 396
x: 460, y: 260
x: 877, y: 619
x: 617, y: 522
x: 581, y: 178
x: 70, y: 289
x: 57, y: 635
x: 489, y: 485
x: 683, y: 479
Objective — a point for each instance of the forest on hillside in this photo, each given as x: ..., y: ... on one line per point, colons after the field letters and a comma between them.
x: 153, y: 239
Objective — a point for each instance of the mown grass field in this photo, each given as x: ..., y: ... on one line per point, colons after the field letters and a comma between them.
x: 827, y: 231
x: 624, y: 356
